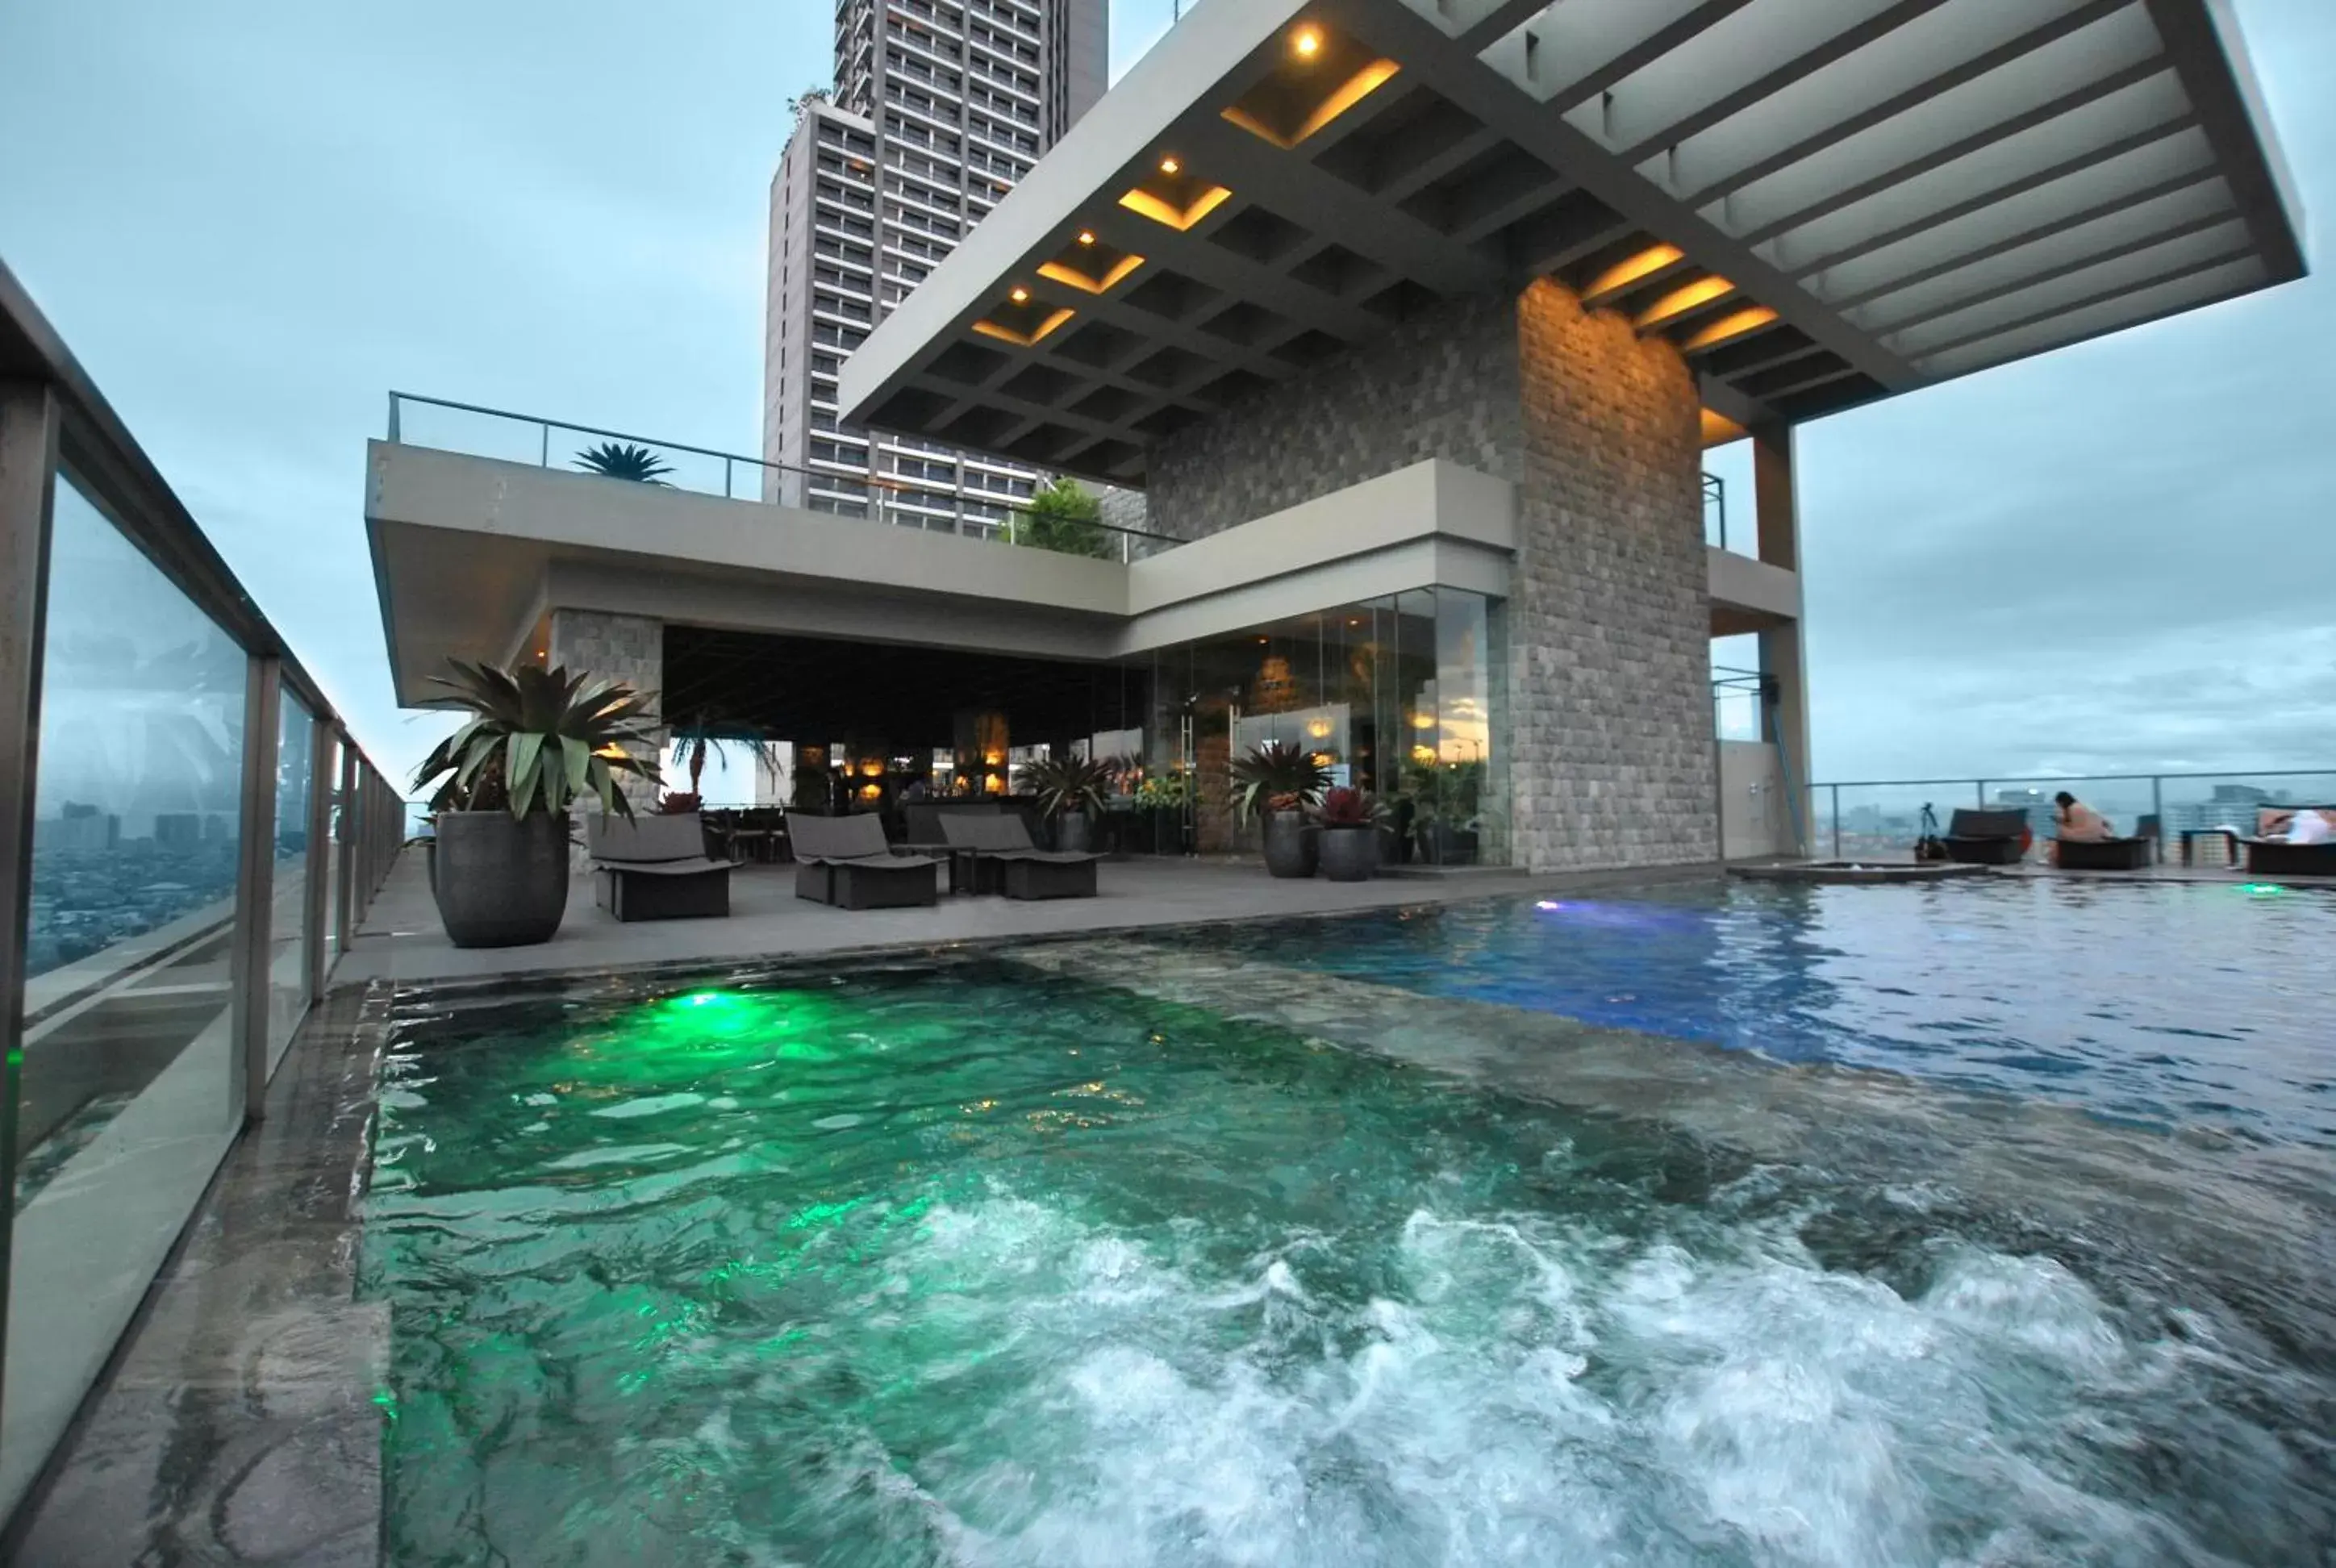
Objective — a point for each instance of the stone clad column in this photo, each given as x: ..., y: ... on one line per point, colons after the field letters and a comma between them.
x: 627, y: 648
x: 1609, y: 615
x: 1784, y: 658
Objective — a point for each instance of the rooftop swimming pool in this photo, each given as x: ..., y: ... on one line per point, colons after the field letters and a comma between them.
x: 2165, y: 1003
x: 1306, y: 1246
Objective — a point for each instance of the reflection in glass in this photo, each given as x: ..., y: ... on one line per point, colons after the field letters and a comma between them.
x: 1401, y: 696
x: 331, y: 783
x: 287, y: 948
x: 129, y: 1088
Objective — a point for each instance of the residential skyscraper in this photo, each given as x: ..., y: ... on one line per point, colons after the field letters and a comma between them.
x: 939, y: 108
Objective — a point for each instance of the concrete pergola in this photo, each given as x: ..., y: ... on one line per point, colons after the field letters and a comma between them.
x: 1818, y: 204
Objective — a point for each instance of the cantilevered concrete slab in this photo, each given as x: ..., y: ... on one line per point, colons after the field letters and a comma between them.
x: 1819, y: 202
x: 471, y: 555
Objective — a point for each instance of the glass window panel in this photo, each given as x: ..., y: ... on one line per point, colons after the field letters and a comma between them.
x: 129, y: 1084
x: 329, y: 853
x: 288, y: 919
x: 1465, y: 659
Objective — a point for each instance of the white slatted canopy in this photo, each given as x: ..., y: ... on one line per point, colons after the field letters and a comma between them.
x: 1820, y: 202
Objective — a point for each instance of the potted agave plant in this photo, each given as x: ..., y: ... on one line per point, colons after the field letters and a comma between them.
x: 505, y: 783
x: 1072, y: 792
x: 1278, y: 782
x: 1350, y: 835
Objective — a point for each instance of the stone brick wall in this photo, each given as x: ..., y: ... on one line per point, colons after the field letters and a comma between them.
x: 1605, y: 685
x: 1442, y: 384
x: 1610, y: 725
x: 627, y: 648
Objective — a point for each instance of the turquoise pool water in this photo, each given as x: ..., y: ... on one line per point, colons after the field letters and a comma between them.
x: 1005, y: 1263
x: 2168, y: 1004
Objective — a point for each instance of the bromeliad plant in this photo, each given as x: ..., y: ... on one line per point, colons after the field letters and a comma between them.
x: 1350, y: 808
x: 537, y: 740
x: 1274, y: 769
x: 1069, y: 783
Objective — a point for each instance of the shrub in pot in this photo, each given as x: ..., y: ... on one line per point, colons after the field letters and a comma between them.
x: 1278, y: 782
x: 505, y: 783
x: 1349, y: 821
x: 1162, y: 804
x: 1071, y: 792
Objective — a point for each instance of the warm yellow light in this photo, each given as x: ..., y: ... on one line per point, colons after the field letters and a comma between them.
x: 995, y: 784
x: 1631, y: 269
x: 1423, y: 753
x: 1169, y: 166
x: 1679, y: 301
x: 1324, y: 759
x: 1021, y: 297
x: 1086, y: 285
x: 1719, y: 429
x: 1733, y: 324
x: 1086, y: 236
x: 1348, y: 93
x: 1025, y: 340
x: 1319, y: 729
x: 871, y: 792
x: 1169, y: 213
x: 1423, y: 721
x: 1307, y: 42
x: 993, y: 759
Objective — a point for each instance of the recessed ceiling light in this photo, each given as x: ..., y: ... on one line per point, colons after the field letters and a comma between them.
x: 1169, y: 166
x: 1307, y: 42
x: 1021, y: 297
x: 1086, y: 236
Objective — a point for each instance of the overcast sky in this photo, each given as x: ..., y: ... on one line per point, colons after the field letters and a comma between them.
x: 253, y: 218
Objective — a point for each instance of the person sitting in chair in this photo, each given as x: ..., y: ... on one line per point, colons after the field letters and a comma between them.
x: 2310, y: 827
x: 2074, y: 822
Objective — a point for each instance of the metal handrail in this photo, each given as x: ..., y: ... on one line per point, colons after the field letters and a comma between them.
x: 1980, y: 784
x: 873, y: 480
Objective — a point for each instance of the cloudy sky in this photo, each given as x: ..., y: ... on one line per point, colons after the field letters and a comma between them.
x: 253, y: 218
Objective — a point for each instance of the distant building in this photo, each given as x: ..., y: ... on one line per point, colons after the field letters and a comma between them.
x: 177, y: 830
x: 81, y: 828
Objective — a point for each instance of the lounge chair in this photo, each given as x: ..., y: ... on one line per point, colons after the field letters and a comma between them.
x: 2269, y: 855
x: 1980, y: 838
x: 2133, y: 854
x: 845, y: 861
x: 655, y: 868
x: 1006, y: 862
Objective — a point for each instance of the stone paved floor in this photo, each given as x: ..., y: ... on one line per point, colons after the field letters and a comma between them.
x: 402, y: 940
x: 238, y: 1424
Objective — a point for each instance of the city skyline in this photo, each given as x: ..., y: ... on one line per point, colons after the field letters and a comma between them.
x: 535, y: 220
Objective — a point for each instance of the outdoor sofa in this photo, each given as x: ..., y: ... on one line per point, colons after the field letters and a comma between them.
x: 2132, y: 854
x: 2269, y: 855
x: 655, y: 868
x: 845, y: 861
x: 1004, y: 860
x: 1982, y: 838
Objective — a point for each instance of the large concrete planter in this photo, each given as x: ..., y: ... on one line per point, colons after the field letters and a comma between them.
x: 1350, y: 854
x: 1289, y: 845
x: 501, y: 883
x: 1074, y: 833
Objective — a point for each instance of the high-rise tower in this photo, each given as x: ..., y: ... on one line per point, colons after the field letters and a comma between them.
x: 940, y: 107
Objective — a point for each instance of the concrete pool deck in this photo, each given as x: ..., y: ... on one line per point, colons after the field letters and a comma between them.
x: 402, y: 940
